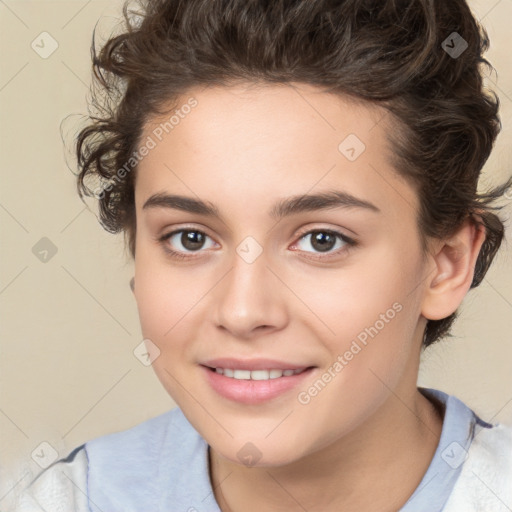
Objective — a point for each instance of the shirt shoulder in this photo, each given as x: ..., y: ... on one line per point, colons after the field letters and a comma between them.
x: 485, y: 482
x: 141, y: 445
x: 61, y: 487
x: 159, y: 464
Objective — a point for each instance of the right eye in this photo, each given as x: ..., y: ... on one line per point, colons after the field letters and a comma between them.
x: 191, y: 241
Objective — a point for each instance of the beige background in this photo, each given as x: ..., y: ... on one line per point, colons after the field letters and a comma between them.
x: 69, y: 326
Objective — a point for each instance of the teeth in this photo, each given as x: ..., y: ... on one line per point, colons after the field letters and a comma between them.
x: 242, y: 374
x: 256, y: 374
x: 260, y: 375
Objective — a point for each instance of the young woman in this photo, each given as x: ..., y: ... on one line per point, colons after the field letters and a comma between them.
x: 297, y: 183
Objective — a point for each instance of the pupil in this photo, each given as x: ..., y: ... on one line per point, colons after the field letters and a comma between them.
x: 323, y: 241
x: 192, y: 240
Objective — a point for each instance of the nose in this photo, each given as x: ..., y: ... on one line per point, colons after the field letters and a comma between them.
x: 250, y: 299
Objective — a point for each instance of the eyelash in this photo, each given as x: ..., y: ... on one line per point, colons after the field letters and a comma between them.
x: 350, y: 243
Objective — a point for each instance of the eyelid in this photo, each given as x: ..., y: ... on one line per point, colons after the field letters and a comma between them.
x: 185, y: 227
x: 336, y: 231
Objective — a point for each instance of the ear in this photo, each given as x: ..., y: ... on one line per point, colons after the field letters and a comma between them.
x: 454, y: 259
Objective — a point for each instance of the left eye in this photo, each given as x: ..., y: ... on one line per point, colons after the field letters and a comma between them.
x: 325, y: 241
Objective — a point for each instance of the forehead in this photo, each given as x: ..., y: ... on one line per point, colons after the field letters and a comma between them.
x: 251, y: 144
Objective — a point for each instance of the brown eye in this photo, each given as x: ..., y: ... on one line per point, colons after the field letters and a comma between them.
x: 186, y: 240
x: 325, y: 241
x: 192, y: 240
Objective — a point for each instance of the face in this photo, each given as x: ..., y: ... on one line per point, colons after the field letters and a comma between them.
x: 244, y: 273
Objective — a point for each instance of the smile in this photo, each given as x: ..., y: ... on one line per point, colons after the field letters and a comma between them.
x: 250, y: 383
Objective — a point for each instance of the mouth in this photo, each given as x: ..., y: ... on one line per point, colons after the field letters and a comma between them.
x: 254, y: 382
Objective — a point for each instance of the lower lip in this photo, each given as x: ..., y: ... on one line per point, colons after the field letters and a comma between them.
x: 252, y: 391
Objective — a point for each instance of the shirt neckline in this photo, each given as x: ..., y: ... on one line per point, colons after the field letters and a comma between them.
x: 457, y: 433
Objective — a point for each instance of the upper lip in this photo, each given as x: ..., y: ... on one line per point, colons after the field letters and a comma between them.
x: 252, y: 364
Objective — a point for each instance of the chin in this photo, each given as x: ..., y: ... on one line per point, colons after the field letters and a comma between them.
x: 252, y: 455
x: 256, y: 448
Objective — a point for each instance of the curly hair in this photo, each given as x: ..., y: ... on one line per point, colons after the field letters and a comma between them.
x: 394, y: 53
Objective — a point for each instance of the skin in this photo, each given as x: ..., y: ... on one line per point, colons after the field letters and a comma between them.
x: 366, y: 440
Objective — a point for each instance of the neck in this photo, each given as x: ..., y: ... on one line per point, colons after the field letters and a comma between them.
x: 388, y: 454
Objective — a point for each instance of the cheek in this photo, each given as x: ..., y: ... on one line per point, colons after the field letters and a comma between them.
x: 160, y: 295
x: 354, y: 298
x: 372, y: 311
x: 154, y: 301
x: 164, y: 303
x: 163, y: 293
x: 171, y: 305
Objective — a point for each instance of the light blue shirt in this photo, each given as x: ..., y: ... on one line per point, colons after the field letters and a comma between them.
x: 161, y: 465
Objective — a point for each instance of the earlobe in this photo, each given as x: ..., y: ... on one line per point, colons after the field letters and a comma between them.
x: 454, y: 262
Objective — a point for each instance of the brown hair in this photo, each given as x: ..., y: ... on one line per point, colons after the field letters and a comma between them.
x: 401, y: 54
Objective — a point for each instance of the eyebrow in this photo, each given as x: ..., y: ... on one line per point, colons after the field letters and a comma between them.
x: 283, y: 208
